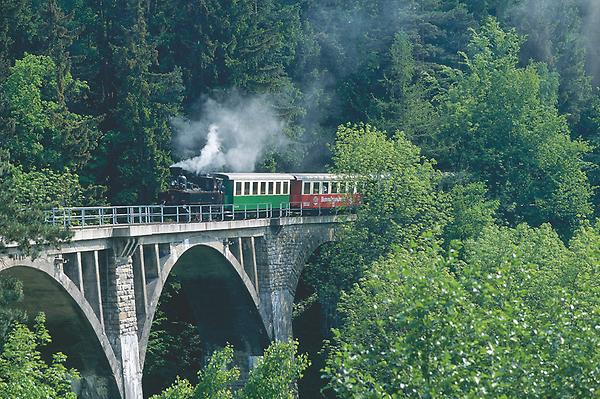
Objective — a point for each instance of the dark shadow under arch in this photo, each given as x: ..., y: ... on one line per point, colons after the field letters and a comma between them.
x: 310, y: 327
x: 221, y: 301
x: 70, y: 330
x: 212, y: 298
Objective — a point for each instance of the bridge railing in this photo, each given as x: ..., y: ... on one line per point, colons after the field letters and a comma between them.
x: 152, y: 214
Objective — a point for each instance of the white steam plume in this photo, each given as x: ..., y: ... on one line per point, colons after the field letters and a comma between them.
x: 232, y: 135
x: 210, y: 156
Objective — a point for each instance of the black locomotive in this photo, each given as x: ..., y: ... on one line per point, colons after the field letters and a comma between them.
x: 187, y: 188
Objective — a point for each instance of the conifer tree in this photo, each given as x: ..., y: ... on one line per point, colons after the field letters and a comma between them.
x: 139, y: 141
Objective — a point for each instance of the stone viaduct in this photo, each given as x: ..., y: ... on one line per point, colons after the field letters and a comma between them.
x: 100, y: 290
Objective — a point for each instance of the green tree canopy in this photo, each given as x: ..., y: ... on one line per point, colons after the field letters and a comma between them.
x: 23, y: 372
x: 273, y: 376
x: 516, y: 317
x: 11, y: 292
x: 471, y: 211
x: 23, y: 198
x: 400, y: 201
x: 40, y: 131
x: 501, y: 126
x: 140, y: 135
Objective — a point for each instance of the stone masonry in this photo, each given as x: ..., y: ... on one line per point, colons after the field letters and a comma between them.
x: 121, y: 322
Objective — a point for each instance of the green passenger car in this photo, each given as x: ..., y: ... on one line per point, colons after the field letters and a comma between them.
x: 256, y: 190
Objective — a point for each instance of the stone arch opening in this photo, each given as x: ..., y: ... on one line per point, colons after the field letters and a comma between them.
x: 71, y: 330
x: 205, y: 299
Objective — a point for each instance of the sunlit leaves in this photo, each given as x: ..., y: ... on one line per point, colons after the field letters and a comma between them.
x: 501, y: 126
x: 516, y: 317
x: 23, y: 372
x: 400, y: 201
x: 45, y: 132
x: 273, y: 377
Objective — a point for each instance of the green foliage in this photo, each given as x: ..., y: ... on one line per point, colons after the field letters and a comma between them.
x: 400, y: 201
x: 502, y: 127
x: 358, y: 42
x: 43, y: 132
x: 398, y: 185
x: 136, y: 62
x: 471, y: 211
x: 405, y: 103
x: 516, y: 317
x: 242, y: 44
x: 276, y: 372
x: 11, y: 292
x: 181, y: 389
x: 140, y: 139
x: 15, y: 28
x: 553, y: 36
x: 273, y: 377
x: 45, y: 187
x: 22, y: 219
x: 23, y: 372
x: 215, y: 380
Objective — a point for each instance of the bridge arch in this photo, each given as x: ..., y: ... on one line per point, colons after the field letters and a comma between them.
x: 309, y: 250
x: 223, y: 299
x: 73, y: 325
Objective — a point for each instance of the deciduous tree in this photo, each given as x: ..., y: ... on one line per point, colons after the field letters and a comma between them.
x: 400, y: 201
x: 23, y: 372
x: 273, y: 377
x: 515, y: 316
x: 501, y: 126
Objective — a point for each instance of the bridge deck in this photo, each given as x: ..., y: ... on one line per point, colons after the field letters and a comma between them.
x: 81, y: 217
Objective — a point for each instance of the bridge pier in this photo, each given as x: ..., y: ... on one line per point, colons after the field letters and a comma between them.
x: 121, y: 320
x: 282, y: 302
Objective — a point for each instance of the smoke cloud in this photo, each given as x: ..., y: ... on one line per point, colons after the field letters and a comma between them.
x: 547, y: 22
x: 591, y: 31
x: 231, y: 135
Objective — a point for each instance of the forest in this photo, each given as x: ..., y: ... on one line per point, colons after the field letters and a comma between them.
x: 472, y: 269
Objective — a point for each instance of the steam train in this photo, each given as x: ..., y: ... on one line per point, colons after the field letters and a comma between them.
x: 308, y: 191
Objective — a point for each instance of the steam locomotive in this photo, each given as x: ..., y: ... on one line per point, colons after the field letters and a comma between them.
x: 260, y: 190
x: 189, y: 188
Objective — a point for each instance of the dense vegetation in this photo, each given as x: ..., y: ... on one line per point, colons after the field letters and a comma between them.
x: 473, y: 126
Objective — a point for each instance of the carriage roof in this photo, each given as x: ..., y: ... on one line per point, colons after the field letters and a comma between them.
x: 319, y: 177
x: 255, y: 176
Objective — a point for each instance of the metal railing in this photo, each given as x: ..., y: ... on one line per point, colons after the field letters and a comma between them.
x: 151, y: 214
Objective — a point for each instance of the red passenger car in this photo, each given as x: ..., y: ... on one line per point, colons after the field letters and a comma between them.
x: 322, y: 191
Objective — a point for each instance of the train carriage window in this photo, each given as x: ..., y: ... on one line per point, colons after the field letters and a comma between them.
x: 334, y: 187
x: 306, y: 189
x: 263, y: 187
x: 286, y: 187
x: 247, y: 188
x: 254, y: 188
x: 238, y: 188
x: 271, y: 187
x: 316, y: 187
x: 325, y: 187
x: 278, y: 188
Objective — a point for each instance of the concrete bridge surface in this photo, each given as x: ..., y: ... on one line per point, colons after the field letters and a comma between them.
x: 100, y: 291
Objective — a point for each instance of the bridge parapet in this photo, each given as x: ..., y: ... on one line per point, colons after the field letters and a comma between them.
x: 80, y: 217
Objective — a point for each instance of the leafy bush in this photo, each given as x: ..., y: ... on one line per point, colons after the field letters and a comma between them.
x: 515, y: 316
x: 273, y: 377
x: 23, y: 372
